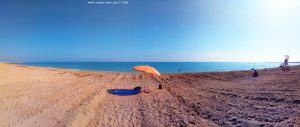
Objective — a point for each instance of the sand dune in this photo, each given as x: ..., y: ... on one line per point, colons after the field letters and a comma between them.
x: 41, y: 97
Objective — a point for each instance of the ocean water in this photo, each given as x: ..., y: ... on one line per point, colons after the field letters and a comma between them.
x: 163, y: 67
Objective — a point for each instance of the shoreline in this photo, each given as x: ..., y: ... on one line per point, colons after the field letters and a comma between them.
x: 24, y: 64
x: 41, y: 96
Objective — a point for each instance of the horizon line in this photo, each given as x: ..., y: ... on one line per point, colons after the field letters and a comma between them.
x: 151, y: 61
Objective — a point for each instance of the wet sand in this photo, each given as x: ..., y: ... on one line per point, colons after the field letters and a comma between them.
x: 42, y: 97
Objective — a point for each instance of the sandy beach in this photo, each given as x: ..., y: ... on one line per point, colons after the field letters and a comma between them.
x: 47, y: 97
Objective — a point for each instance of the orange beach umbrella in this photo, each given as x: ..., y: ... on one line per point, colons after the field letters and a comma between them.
x: 147, y: 69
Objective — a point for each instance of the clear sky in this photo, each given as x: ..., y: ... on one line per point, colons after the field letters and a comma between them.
x: 150, y: 30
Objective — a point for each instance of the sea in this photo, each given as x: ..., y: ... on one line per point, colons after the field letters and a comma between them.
x: 163, y: 67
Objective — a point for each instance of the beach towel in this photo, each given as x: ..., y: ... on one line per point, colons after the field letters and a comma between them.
x: 125, y: 92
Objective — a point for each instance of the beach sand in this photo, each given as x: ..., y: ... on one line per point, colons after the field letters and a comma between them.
x: 46, y: 97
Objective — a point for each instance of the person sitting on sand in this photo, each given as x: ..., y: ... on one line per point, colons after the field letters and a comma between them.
x: 255, y: 74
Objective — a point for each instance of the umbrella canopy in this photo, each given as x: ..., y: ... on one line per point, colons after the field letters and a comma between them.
x: 147, y: 69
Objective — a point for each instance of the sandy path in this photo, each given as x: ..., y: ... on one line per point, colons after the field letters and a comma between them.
x: 39, y: 97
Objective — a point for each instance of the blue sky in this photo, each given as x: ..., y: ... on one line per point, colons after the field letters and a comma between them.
x: 150, y: 30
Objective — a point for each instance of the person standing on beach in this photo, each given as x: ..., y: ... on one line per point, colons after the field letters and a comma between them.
x: 285, y: 63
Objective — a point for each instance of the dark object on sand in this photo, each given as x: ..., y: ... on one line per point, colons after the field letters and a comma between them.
x: 146, y: 90
x: 125, y: 92
x: 159, y: 86
x: 255, y: 74
x: 137, y: 88
x: 285, y: 67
